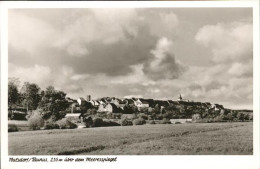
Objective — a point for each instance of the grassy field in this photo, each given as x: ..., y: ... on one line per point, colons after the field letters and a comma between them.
x: 164, y: 139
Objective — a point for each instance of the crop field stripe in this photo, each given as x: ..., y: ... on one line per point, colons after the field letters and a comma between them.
x: 102, y: 147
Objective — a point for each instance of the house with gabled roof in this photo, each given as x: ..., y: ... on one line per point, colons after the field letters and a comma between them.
x: 129, y: 101
x: 111, y: 107
x: 81, y: 100
x: 141, y: 103
x: 119, y: 103
x: 102, y: 100
x: 150, y: 102
x: 102, y: 108
x: 95, y: 103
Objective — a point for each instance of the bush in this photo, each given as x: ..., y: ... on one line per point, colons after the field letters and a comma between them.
x: 218, y: 118
x: 196, y: 117
x: 107, y: 123
x: 152, y: 122
x: 97, y: 122
x: 246, y: 116
x: 125, y: 122
x: 139, y: 121
x: 50, y: 124
x: 66, y: 124
x: 241, y: 116
x: 129, y: 116
x: 143, y: 116
x: 36, y: 121
x: 130, y: 123
x: 116, y: 115
x: 159, y: 117
x: 88, y: 121
x: 12, y: 128
x: 168, y: 115
x: 165, y: 121
x: 251, y: 116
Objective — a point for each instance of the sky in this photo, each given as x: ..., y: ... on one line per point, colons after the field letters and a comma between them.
x: 204, y: 54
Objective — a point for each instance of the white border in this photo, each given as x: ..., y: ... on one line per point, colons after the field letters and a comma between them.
x: 201, y: 162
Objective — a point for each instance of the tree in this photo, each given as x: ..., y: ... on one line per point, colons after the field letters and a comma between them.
x: 85, y: 106
x: 157, y: 109
x: 168, y: 115
x: 53, y: 103
x: 13, y: 94
x: 130, y: 109
x: 31, y: 95
x: 241, y: 116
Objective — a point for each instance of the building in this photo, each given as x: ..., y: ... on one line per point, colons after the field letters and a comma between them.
x: 130, y: 101
x: 81, y: 101
x: 111, y: 107
x: 119, y: 103
x: 88, y: 98
x: 95, y: 103
x: 141, y: 103
x: 74, y: 117
x: 176, y: 121
x: 181, y: 99
x: 102, y: 108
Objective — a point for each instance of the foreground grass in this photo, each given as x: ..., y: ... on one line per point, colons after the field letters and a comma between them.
x: 193, y: 138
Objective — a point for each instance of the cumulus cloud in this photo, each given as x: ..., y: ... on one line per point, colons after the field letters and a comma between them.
x: 134, y: 52
x: 231, y: 45
x: 133, y: 96
x: 239, y: 69
x: 228, y: 41
x: 45, y: 76
x: 35, y: 74
x: 113, y: 39
x: 163, y: 64
x: 28, y: 33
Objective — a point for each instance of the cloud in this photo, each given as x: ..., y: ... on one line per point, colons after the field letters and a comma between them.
x: 35, y: 74
x: 75, y: 37
x: 163, y: 64
x: 133, y: 96
x: 230, y: 78
x: 150, y: 53
x: 28, y: 33
x: 239, y: 69
x: 227, y: 41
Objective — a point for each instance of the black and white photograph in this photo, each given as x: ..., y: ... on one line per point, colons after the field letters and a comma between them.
x: 130, y: 81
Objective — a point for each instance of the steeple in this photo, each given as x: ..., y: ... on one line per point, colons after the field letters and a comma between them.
x: 180, y: 97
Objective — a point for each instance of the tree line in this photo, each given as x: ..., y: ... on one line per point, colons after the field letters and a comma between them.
x: 50, y: 102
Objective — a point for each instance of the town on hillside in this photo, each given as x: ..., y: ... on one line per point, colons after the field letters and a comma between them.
x: 115, y: 105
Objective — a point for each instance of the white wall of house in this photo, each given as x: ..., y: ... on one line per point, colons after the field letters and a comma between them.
x: 109, y: 108
x: 173, y: 121
x: 101, y: 108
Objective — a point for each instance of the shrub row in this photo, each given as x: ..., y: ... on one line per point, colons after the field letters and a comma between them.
x: 66, y: 124
x: 99, y: 122
x: 36, y: 122
x: 139, y: 121
x: 60, y: 124
x: 126, y: 122
x: 12, y: 128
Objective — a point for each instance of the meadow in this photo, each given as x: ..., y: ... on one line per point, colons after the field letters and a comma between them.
x: 161, y: 139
